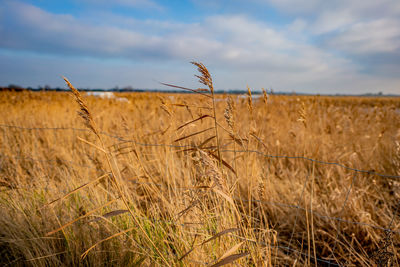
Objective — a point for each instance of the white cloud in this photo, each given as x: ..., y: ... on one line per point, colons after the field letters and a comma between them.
x: 35, y: 29
x: 367, y: 32
x: 332, y: 21
x: 364, y: 8
x: 378, y: 36
x: 295, y: 6
x: 328, y: 16
x: 297, y: 26
x: 238, y: 49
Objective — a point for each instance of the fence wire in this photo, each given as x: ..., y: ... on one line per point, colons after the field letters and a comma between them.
x: 120, y: 138
x: 166, y: 186
x: 297, y: 206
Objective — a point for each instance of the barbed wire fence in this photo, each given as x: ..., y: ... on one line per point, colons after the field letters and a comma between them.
x: 382, y: 256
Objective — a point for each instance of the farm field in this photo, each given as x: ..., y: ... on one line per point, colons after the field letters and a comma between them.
x: 195, y: 180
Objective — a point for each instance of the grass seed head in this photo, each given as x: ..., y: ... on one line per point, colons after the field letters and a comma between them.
x: 211, y: 169
x: 303, y: 115
x: 205, y: 77
x: 265, y: 96
x: 229, y: 114
x: 84, y: 110
x: 249, y: 100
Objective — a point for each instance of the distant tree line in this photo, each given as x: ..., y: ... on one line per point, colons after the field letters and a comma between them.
x: 17, y: 88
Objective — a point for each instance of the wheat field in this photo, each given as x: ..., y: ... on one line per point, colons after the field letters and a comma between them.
x: 197, y: 179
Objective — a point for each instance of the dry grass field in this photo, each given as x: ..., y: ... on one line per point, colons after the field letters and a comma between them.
x: 192, y: 180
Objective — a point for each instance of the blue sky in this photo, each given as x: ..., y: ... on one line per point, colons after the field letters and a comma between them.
x: 311, y: 46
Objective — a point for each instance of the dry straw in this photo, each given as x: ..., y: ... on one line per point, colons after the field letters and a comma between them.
x: 266, y: 191
x: 249, y: 100
x: 303, y: 114
x: 265, y: 96
x: 113, y: 166
x: 229, y: 115
x: 84, y: 110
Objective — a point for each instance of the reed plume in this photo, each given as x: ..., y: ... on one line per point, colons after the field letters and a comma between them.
x: 205, y: 76
x: 229, y: 114
x: 303, y: 114
x: 265, y: 96
x: 249, y: 100
x: 84, y: 110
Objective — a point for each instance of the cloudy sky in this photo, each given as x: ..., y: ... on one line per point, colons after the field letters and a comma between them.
x: 311, y: 46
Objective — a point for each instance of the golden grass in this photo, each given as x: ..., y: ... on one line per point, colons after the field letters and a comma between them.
x: 189, y: 205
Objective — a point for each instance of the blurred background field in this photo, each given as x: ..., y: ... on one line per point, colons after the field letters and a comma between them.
x: 268, y: 210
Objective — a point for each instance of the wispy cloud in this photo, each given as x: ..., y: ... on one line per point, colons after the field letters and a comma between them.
x: 223, y: 39
x: 312, y: 53
x: 377, y: 36
x: 359, y: 27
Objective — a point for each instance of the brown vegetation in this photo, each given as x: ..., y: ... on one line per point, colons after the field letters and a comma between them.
x: 76, y: 195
